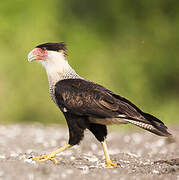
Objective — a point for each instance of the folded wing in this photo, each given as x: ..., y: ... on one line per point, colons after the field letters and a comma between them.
x: 84, y: 98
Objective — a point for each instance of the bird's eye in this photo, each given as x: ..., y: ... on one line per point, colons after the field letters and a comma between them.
x: 44, y: 48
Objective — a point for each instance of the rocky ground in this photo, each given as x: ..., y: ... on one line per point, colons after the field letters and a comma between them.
x: 142, y: 155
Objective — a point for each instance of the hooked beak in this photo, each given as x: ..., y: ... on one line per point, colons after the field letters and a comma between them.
x: 32, y: 56
x: 37, y: 54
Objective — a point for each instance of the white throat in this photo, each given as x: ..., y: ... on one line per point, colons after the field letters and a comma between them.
x: 57, y: 68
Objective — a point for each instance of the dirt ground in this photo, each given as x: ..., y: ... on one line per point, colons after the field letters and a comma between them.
x: 141, y: 155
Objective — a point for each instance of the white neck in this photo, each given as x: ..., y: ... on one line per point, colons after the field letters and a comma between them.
x: 57, y: 68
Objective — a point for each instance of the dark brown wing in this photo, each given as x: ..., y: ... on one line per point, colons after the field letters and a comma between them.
x: 84, y: 98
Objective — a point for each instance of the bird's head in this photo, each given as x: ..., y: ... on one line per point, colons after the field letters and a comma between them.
x: 53, y: 58
x: 48, y: 52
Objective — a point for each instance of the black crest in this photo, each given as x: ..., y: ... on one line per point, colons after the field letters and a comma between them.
x: 53, y: 46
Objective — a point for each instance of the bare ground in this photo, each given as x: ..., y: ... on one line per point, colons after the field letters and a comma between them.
x: 141, y: 155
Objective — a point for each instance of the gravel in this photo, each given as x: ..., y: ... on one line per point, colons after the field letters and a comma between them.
x: 141, y: 155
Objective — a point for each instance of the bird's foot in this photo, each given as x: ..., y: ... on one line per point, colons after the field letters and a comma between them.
x: 46, y: 157
x: 51, y: 155
x: 110, y: 164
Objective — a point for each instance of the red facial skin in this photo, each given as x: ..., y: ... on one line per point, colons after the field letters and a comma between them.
x: 40, y: 53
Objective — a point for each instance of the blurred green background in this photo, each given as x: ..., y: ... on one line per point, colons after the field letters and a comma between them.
x: 130, y: 47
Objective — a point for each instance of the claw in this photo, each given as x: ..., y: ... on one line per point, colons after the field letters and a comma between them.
x: 51, y: 156
x: 45, y: 157
x: 54, y: 160
x: 110, y: 164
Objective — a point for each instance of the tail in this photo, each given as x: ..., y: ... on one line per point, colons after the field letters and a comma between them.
x: 151, y: 123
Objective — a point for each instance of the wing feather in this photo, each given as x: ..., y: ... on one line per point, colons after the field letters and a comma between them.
x: 86, y: 98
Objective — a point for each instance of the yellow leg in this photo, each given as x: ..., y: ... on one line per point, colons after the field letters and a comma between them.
x: 51, y: 155
x: 107, y: 157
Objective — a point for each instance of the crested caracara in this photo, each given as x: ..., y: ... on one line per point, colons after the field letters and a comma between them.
x: 85, y: 104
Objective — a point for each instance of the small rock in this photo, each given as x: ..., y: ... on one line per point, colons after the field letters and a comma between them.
x: 2, y: 156
x: 30, y: 160
x: 156, y: 172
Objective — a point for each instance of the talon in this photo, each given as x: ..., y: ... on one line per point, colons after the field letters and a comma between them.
x: 110, y: 164
x: 51, y: 156
x: 54, y: 160
x: 45, y: 158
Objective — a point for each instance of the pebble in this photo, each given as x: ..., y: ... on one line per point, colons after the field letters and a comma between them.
x: 156, y: 172
x: 72, y: 158
x: 160, y: 142
x: 132, y: 154
x: 85, y: 169
x: 137, y: 138
x: 63, y: 175
x: 69, y: 171
x: 2, y: 156
x: 91, y: 158
x: 127, y: 139
x: 29, y: 160
x: 1, y: 173
x: 14, y: 154
x: 94, y: 146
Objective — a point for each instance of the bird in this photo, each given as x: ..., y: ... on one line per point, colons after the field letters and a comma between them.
x: 86, y: 104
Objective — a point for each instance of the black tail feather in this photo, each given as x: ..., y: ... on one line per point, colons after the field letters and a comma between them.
x: 151, y: 124
x: 158, y: 124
